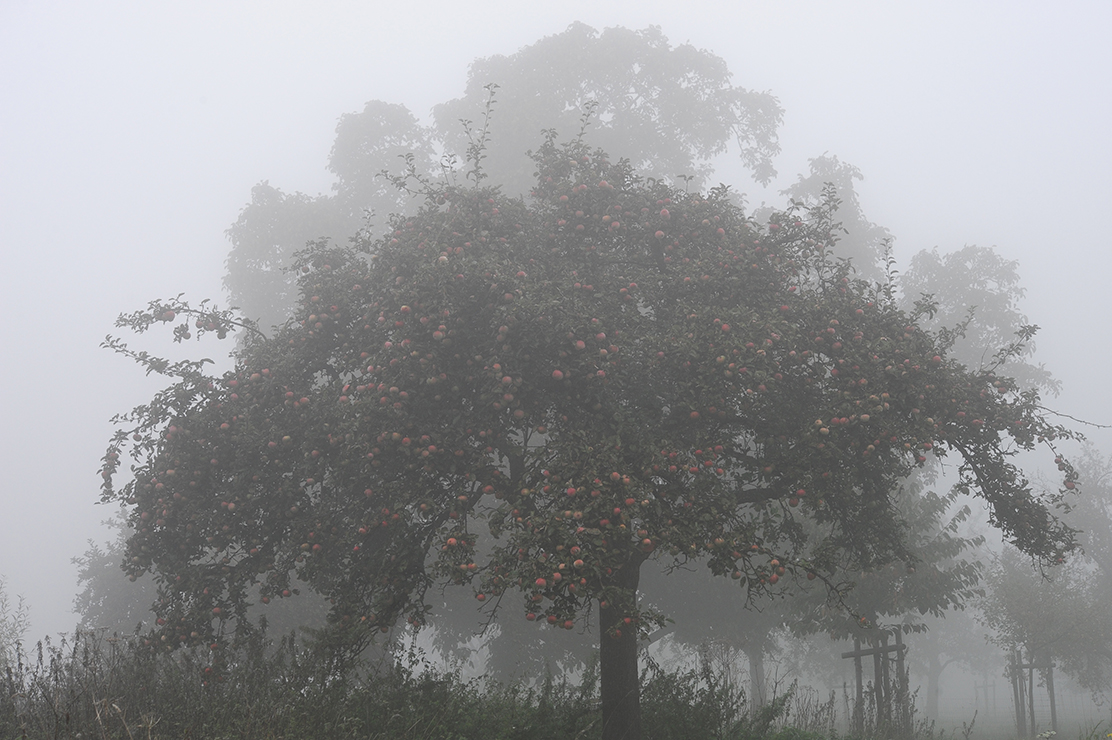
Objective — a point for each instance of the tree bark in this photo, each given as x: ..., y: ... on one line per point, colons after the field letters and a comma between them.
x: 618, y: 673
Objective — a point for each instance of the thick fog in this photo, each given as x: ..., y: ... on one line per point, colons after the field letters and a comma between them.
x: 131, y: 134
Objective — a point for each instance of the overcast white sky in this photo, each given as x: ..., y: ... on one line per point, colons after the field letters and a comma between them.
x: 131, y: 134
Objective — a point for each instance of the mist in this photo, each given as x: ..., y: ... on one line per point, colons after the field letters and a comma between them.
x: 131, y: 135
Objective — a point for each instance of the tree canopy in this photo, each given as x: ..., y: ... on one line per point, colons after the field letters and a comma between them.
x: 535, y: 397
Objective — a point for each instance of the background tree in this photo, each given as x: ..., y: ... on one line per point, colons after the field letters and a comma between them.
x: 616, y: 371
x: 669, y: 110
x: 381, y: 142
x: 942, y: 574
x: 977, y: 292
x: 107, y: 598
x: 956, y: 639
x: 372, y: 146
x: 1091, y: 513
x: 860, y: 240
x: 112, y: 601
x: 891, y: 595
x: 729, y: 620
x: 1061, y: 613
x: 910, y: 597
x: 917, y: 599
x: 269, y: 230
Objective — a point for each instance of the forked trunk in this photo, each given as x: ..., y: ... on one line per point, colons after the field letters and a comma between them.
x: 618, y: 674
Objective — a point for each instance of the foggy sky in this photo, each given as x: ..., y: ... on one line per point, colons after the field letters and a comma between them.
x: 131, y: 134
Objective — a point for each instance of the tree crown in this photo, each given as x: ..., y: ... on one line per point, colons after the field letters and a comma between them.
x: 537, y: 396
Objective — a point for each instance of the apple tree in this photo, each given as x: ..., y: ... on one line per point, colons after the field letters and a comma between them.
x: 532, y: 399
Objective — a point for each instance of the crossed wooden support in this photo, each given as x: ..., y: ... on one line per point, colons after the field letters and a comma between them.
x: 1026, y: 694
x: 882, y: 687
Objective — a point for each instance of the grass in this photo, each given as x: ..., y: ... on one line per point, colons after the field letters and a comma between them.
x: 92, y: 685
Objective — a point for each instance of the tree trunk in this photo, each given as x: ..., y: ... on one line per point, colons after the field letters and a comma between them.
x: 618, y: 674
x: 757, y: 686
x: 502, y: 663
x: 934, y: 678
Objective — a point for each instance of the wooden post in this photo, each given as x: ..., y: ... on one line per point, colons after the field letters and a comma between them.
x: 859, y: 708
x: 902, y: 696
x: 885, y: 680
x: 1031, y: 690
x: 1050, y: 690
x: 1017, y: 695
x: 1018, y: 688
x: 881, y: 684
x: 901, y: 676
x: 878, y: 689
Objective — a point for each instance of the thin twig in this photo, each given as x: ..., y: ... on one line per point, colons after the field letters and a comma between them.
x: 1074, y: 418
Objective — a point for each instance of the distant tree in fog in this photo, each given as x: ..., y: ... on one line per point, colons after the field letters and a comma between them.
x: 860, y: 240
x: 107, y: 598
x: 382, y: 139
x: 940, y: 574
x: 1063, y: 613
x: 111, y: 600
x: 977, y: 291
x: 536, y: 398
x: 1091, y: 513
x: 1060, y: 614
x: 264, y: 238
x: 669, y: 110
